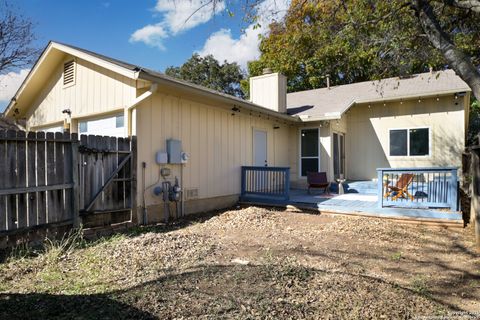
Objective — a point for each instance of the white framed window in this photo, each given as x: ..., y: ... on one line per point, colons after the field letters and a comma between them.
x: 409, y: 142
x: 83, y: 127
x: 309, y: 151
x: 119, y: 121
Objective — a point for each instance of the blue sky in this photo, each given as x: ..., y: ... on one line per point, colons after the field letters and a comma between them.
x: 150, y: 33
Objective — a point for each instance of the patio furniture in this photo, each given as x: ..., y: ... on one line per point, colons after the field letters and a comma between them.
x: 400, y: 188
x: 318, y: 180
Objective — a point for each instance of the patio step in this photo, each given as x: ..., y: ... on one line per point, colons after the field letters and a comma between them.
x: 369, y: 187
x: 455, y: 223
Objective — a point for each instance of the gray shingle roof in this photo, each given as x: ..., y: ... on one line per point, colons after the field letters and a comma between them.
x: 331, y: 103
x: 161, y: 76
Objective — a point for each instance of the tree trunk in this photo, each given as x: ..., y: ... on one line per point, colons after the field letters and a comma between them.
x: 456, y: 58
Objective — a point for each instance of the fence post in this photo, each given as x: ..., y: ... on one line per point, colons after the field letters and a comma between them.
x: 453, y: 190
x: 133, y: 149
x: 76, y: 185
x: 243, y: 186
x: 287, y: 184
x: 475, y: 201
x: 380, y: 188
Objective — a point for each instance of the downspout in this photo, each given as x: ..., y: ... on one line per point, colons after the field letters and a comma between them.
x: 129, y: 109
x: 135, y: 103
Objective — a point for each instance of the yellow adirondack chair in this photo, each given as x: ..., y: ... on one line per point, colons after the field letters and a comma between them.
x: 400, y: 188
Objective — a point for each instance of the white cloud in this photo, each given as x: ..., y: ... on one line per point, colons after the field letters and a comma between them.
x: 10, y: 82
x: 183, y: 15
x: 177, y: 16
x: 223, y: 46
x: 152, y: 35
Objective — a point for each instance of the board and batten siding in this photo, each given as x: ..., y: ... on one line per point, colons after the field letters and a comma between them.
x: 96, y: 91
x: 367, y: 140
x: 217, y: 142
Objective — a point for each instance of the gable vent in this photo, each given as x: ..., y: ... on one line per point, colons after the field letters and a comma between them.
x: 69, y: 73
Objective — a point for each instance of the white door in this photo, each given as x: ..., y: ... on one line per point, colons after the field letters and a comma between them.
x: 259, y: 148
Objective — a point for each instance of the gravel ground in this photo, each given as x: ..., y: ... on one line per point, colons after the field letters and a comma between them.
x: 252, y: 263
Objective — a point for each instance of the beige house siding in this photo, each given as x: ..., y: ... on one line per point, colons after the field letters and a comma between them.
x: 367, y: 140
x: 270, y: 91
x: 217, y: 142
x: 96, y: 91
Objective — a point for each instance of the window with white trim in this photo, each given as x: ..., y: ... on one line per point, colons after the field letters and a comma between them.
x: 83, y: 127
x: 309, y: 152
x: 119, y: 121
x: 410, y: 142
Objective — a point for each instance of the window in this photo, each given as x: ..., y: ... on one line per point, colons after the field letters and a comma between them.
x: 410, y: 142
x: 83, y: 127
x: 419, y: 144
x: 309, y: 151
x: 398, y: 142
x: 69, y: 73
x: 119, y: 121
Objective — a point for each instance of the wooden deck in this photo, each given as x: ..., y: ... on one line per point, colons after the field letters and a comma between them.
x: 364, y: 204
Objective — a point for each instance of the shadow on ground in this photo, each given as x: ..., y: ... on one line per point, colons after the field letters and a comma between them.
x: 275, y: 291
x: 49, y: 306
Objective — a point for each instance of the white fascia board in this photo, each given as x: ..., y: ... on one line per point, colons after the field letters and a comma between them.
x: 82, y: 55
x: 32, y: 72
x: 98, y: 61
x: 415, y: 96
x: 335, y: 116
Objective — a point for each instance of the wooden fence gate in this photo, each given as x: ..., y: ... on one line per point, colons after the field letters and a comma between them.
x: 107, y: 186
x: 53, y: 179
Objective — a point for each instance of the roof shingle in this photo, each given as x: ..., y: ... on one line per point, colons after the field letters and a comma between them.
x: 324, y: 102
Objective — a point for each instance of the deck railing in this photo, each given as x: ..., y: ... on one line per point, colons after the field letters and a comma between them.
x: 418, y: 187
x: 265, y: 183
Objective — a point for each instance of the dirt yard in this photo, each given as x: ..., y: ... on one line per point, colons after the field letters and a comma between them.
x: 251, y: 263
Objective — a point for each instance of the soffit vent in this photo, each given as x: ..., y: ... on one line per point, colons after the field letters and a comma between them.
x: 69, y: 73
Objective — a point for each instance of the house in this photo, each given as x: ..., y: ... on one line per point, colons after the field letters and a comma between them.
x: 346, y: 131
x: 416, y: 121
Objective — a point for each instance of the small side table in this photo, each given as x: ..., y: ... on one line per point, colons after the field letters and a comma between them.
x: 340, y: 182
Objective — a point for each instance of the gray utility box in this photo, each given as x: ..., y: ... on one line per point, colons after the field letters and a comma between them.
x: 174, y: 150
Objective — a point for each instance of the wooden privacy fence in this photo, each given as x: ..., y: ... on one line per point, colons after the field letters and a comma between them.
x: 107, y: 176
x: 55, y: 179
x: 474, y: 177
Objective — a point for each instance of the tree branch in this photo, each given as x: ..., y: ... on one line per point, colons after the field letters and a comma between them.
x: 456, y: 58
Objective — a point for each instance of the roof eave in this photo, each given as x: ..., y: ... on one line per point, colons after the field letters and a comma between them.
x: 144, y: 75
x: 132, y: 74
x: 12, y: 102
x: 388, y: 99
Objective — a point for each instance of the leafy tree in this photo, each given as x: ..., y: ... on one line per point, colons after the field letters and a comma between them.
x: 366, y: 39
x: 208, y: 72
x: 474, y: 124
x: 16, y: 40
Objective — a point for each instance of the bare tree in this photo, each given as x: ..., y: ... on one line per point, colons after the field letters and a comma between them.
x: 16, y: 40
